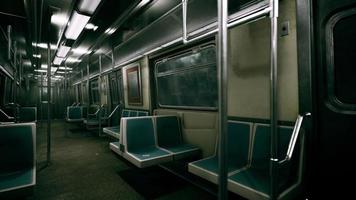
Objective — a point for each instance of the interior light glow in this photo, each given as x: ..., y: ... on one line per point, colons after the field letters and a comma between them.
x: 76, y: 25
x: 72, y: 60
x: 59, y: 19
x: 88, y: 6
x: 57, y: 60
x: 65, y: 68
x: 110, y: 31
x: 40, y: 70
x: 37, y: 55
x: 80, y: 51
x: 63, y: 51
x: 91, y: 26
x: 143, y: 3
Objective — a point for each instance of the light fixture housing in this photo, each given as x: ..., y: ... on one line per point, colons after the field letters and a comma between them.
x: 76, y: 25
x: 88, y: 6
x: 63, y: 51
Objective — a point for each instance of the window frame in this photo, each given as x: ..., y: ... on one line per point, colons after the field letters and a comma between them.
x: 174, y: 56
x: 333, y: 102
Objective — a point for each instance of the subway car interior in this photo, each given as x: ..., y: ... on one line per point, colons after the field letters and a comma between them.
x: 177, y: 99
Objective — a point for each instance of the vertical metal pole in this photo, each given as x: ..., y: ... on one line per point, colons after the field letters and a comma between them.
x: 222, y: 84
x: 9, y: 42
x: 100, y: 91
x: 15, y: 74
x: 273, y: 102
x: 20, y: 73
x: 49, y: 74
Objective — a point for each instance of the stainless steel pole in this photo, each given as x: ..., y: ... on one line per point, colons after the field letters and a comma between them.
x: 273, y: 102
x: 222, y: 84
x: 48, y: 103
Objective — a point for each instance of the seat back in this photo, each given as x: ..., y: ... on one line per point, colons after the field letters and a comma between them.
x: 74, y: 112
x: 138, y: 133
x: 17, y: 147
x: 239, y: 135
x: 261, y: 152
x: 168, y: 130
x: 142, y: 113
x: 133, y: 113
x: 125, y: 113
x: 28, y: 114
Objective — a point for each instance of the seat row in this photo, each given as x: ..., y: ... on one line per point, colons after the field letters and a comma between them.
x: 114, y: 131
x: 151, y: 140
x: 249, y: 159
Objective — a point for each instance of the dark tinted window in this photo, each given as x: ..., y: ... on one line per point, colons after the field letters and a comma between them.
x: 345, y: 59
x: 188, y: 80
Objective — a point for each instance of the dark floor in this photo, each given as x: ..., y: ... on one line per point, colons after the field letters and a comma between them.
x: 83, y: 167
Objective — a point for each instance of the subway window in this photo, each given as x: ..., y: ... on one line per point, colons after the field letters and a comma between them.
x: 188, y: 80
x: 344, y: 60
x: 341, y: 60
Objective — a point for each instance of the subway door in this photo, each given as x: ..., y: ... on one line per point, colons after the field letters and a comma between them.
x: 334, y: 141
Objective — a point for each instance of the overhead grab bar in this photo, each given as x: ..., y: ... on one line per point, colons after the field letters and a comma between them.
x: 7, y: 116
x: 294, y: 137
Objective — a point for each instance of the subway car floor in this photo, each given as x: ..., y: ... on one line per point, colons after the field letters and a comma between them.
x: 83, y: 167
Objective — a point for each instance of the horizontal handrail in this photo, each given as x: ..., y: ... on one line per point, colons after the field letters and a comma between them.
x: 294, y: 137
x: 7, y: 116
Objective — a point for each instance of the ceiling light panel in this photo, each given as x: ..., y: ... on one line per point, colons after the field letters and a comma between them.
x: 65, y: 68
x: 88, y: 6
x: 63, y: 51
x: 76, y: 25
x: 57, y: 60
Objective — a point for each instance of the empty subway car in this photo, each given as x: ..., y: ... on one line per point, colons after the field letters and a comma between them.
x: 177, y: 99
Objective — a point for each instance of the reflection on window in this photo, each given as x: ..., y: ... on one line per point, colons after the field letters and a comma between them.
x: 188, y: 80
x: 94, y: 92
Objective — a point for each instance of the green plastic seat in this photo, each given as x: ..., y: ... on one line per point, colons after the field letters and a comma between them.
x: 74, y: 114
x: 254, y: 181
x: 169, y: 137
x: 113, y: 131
x: 239, y: 134
x: 115, y: 146
x: 17, y: 157
x: 133, y: 113
x: 28, y: 114
x: 140, y: 144
x: 142, y: 113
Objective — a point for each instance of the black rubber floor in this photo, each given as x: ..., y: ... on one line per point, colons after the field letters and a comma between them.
x: 83, y: 167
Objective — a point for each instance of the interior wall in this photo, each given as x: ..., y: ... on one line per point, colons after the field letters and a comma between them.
x: 249, y: 68
x: 145, y: 84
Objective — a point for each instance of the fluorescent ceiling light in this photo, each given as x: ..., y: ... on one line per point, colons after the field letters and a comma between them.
x: 57, y: 60
x: 44, y: 66
x: 110, y: 31
x: 63, y: 51
x: 40, y: 70
x: 72, y: 60
x: 76, y: 25
x: 80, y: 51
x: 88, y: 6
x: 143, y: 3
x: 91, y: 26
x: 59, y: 19
x: 37, y: 55
x: 44, y: 45
x: 65, y: 68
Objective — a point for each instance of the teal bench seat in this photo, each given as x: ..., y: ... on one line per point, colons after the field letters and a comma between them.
x: 138, y: 139
x: 239, y: 134
x: 74, y: 114
x: 169, y: 137
x: 28, y: 114
x: 114, y: 131
x: 17, y: 158
x: 115, y: 147
x: 254, y: 181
